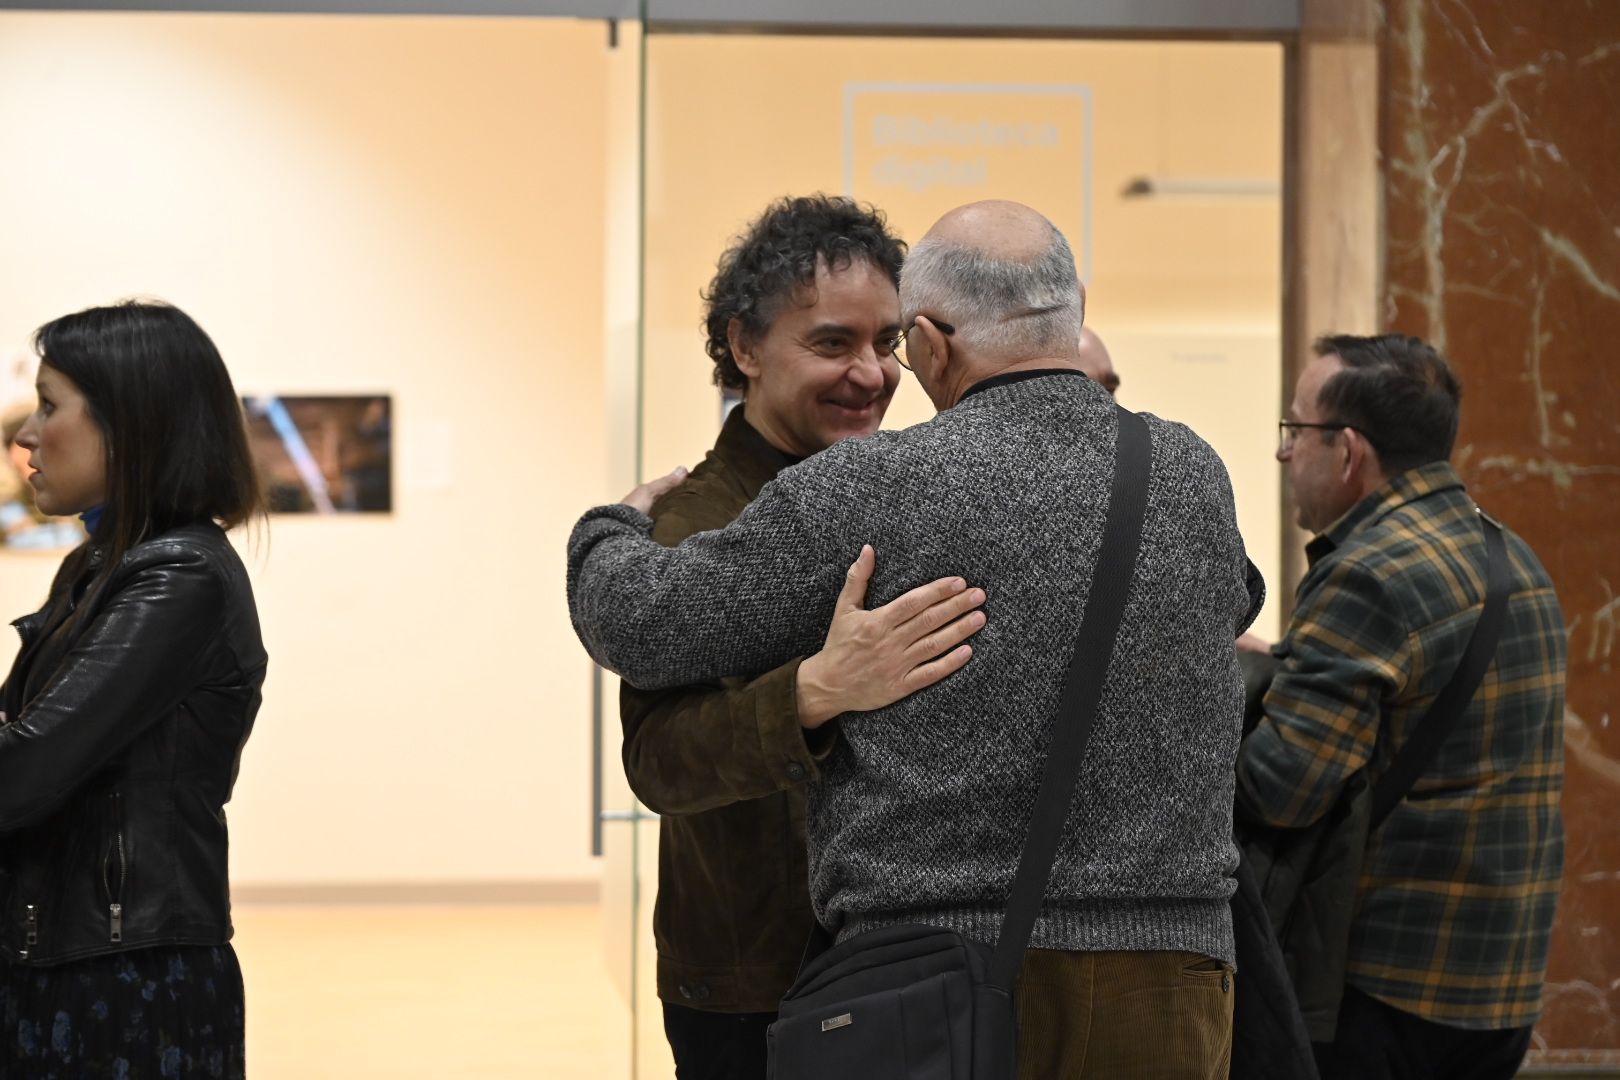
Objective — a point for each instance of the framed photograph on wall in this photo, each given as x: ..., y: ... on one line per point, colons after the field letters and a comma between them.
x: 22, y: 526
x: 326, y: 454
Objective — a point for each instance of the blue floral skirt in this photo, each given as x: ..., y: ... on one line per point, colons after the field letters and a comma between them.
x: 166, y: 1013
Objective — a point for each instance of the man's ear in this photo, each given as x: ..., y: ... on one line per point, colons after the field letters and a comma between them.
x: 1361, y: 465
x: 939, y: 344
x: 742, y: 350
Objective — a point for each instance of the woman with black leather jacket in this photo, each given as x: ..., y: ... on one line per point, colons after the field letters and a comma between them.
x: 123, y: 719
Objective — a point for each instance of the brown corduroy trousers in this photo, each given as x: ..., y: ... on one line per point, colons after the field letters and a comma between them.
x: 1127, y: 1015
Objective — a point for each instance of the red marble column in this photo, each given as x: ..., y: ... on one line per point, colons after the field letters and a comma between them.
x: 1501, y: 140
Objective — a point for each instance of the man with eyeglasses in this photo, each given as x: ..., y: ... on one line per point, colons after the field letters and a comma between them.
x: 922, y: 807
x: 1454, y: 906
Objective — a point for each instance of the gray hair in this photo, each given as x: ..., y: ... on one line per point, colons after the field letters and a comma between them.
x: 998, y: 306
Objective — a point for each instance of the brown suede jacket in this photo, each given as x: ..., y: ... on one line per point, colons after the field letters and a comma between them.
x: 725, y: 764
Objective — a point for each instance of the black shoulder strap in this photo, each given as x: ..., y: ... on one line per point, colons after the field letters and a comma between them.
x: 1418, y: 752
x: 1082, y: 689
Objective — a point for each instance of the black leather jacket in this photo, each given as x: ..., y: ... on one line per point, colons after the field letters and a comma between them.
x: 118, y: 754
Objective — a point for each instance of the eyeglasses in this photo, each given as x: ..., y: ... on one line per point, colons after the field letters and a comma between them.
x: 1287, y: 428
x: 899, y: 345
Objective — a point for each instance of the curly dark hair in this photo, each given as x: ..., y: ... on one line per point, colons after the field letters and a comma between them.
x: 777, y: 255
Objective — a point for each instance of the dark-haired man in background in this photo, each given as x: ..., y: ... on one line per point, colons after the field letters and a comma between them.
x: 1455, y: 903
x: 1095, y: 361
x: 802, y: 318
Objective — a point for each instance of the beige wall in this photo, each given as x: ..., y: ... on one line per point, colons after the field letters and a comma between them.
x: 372, y: 205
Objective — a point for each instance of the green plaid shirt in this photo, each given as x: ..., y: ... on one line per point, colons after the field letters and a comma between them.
x: 1459, y: 885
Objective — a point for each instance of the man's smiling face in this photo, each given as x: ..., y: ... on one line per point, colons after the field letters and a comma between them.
x: 825, y: 370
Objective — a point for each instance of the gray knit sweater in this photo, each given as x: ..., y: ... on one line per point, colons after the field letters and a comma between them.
x: 923, y: 806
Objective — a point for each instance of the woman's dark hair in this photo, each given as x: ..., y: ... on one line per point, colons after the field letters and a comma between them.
x: 1398, y: 392
x: 176, y: 443
x: 764, y: 267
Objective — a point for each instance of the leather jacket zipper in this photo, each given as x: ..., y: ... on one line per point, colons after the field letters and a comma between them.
x: 115, y: 852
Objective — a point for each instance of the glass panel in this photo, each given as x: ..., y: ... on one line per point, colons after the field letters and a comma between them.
x: 1161, y: 161
x: 620, y: 339
x: 628, y: 833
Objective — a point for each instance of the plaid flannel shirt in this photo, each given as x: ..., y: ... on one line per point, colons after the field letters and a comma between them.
x: 1459, y: 885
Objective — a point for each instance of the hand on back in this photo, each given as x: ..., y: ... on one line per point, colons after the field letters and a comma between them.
x: 874, y: 658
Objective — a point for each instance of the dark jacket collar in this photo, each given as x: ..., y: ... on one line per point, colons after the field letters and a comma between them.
x: 751, y: 457
x: 1007, y: 378
x: 1401, y: 490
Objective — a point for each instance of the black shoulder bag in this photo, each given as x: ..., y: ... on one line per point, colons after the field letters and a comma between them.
x: 922, y: 1003
x: 1308, y: 878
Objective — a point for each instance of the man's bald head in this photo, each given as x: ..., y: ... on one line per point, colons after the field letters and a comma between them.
x: 1095, y: 361
x: 997, y: 229
x: 1003, y: 276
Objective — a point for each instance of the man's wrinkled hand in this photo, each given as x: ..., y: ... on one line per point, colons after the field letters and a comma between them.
x: 875, y: 658
x: 644, y: 495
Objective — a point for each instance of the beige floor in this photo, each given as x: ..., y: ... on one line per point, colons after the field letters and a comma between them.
x: 423, y: 992
x: 486, y: 992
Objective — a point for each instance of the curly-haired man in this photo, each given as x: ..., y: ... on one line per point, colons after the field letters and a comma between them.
x: 802, y: 317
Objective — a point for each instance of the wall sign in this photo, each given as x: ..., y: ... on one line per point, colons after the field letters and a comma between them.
x: 916, y: 150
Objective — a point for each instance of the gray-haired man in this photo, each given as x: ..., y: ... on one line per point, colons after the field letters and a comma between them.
x: 922, y: 809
